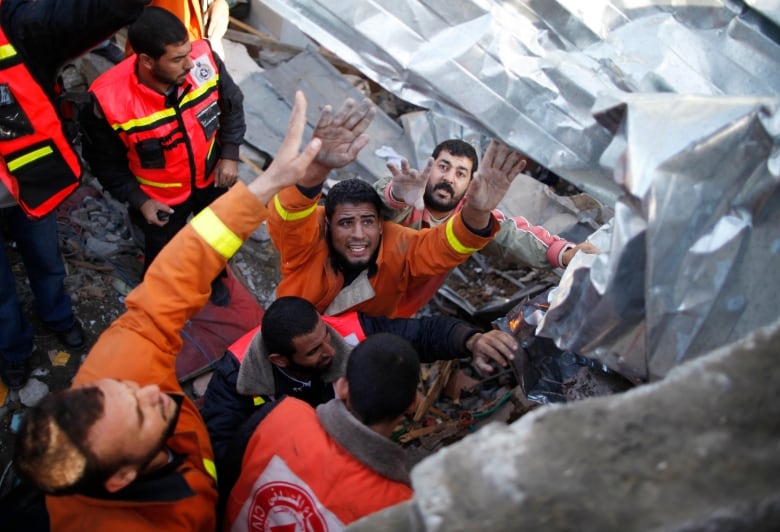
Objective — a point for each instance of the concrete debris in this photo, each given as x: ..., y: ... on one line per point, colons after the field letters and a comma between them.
x: 100, y: 248
x: 695, y: 451
x: 33, y: 392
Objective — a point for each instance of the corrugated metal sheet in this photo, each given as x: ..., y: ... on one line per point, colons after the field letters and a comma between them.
x: 666, y: 110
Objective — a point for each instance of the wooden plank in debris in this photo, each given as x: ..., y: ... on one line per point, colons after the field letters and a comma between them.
x: 446, y: 367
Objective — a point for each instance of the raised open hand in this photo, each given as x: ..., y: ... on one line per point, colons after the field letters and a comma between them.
x: 290, y: 164
x: 408, y: 184
x: 343, y: 134
x: 500, y: 165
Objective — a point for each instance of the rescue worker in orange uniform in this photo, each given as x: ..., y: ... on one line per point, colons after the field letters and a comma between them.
x: 323, y: 468
x: 343, y: 256
x: 124, y: 448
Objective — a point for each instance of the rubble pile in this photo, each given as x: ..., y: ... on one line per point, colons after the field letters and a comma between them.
x: 458, y: 400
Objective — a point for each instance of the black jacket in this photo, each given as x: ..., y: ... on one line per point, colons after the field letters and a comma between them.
x: 49, y: 32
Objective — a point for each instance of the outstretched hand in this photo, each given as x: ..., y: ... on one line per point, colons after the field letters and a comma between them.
x: 497, y: 345
x: 408, y: 185
x: 585, y: 247
x: 290, y: 164
x: 343, y: 134
x: 499, y: 167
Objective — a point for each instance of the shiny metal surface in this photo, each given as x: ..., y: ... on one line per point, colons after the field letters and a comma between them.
x: 666, y: 110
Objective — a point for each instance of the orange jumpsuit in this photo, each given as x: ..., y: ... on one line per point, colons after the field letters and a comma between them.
x: 406, y: 257
x: 141, y: 345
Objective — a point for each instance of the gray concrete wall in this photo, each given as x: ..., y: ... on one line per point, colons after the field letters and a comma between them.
x: 699, y: 450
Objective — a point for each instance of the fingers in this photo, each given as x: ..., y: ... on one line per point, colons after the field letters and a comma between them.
x: 289, y: 150
x: 500, y: 154
x: 518, y: 166
x: 150, y: 209
x: 587, y: 247
x: 481, y: 363
x: 295, y: 127
x: 426, y: 171
x: 404, y: 170
x: 503, y: 342
x: 352, y: 116
x: 394, y: 170
x: 358, y: 144
x: 490, y: 154
x: 505, y: 159
x: 344, y: 112
x: 326, y: 117
x: 361, y: 117
x: 497, y: 345
x: 308, y: 154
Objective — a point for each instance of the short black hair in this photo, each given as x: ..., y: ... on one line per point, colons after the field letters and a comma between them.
x: 286, y: 318
x: 155, y: 29
x: 352, y: 191
x: 382, y: 372
x: 458, y: 148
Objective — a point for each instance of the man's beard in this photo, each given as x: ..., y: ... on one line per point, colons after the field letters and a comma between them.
x: 351, y: 270
x: 167, y: 433
x: 304, y: 372
x: 432, y: 202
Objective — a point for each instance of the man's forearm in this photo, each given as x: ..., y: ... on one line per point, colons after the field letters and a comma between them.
x: 434, y: 337
x: 478, y: 221
x: 315, y: 175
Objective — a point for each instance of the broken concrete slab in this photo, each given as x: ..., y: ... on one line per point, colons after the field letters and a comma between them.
x: 268, y: 97
x: 695, y: 451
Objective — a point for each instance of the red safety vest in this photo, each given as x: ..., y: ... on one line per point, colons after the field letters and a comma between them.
x: 37, y: 163
x: 169, y: 149
x: 347, y: 325
x: 323, y: 488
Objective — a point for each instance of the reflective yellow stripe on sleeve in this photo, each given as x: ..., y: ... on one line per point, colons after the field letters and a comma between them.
x: 17, y: 163
x: 257, y: 400
x: 216, y: 233
x: 454, y: 242
x: 7, y: 50
x: 291, y: 216
x: 211, y: 468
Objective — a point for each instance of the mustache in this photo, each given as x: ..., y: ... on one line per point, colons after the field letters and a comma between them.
x: 445, y: 186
